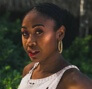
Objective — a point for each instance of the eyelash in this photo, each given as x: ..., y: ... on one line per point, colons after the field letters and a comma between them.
x: 38, y: 32
x: 25, y: 34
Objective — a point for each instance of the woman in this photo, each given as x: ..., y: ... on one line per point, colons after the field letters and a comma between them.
x: 43, y: 29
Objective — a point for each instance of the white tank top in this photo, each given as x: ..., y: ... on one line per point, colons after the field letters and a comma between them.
x: 50, y: 82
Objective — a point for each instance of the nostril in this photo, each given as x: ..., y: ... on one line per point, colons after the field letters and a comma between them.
x: 31, y: 44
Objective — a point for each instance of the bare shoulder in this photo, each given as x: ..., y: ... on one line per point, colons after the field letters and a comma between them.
x: 27, y: 68
x: 74, y: 79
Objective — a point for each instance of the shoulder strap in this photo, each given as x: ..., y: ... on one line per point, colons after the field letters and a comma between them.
x: 35, y: 65
x: 59, y: 76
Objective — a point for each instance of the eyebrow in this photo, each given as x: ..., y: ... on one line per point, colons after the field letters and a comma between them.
x: 33, y: 26
x: 24, y: 27
x: 37, y: 25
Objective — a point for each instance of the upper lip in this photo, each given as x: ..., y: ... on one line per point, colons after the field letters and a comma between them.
x: 33, y: 51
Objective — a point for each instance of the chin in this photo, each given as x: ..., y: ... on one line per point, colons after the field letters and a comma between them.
x: 34, y: 59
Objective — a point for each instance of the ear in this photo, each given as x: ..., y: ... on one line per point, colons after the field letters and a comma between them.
x: 60, y: 33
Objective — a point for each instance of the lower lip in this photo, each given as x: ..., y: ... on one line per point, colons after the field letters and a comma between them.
x: 33, y: 54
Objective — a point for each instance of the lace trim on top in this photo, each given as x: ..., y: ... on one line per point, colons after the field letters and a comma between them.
x: 53, y: 76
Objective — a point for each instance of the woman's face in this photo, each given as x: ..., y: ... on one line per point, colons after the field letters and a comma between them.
x: 38, y: 37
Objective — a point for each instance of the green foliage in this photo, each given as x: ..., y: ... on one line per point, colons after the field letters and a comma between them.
x: 80, y: 54
x: 11, y: 50
x: 9, y: 78
x: 12, y: 55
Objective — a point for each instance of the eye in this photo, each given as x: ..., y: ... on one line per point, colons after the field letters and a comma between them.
x: 39, y: 32
x: 25, y: 34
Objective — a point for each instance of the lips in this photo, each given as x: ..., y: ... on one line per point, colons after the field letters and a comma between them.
x: 33, y: 53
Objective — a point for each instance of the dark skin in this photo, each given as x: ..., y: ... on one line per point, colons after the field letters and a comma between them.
x: 39, y: 36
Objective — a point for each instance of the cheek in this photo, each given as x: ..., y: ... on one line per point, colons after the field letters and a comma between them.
x: 24, y: 43
x: 48, y: 42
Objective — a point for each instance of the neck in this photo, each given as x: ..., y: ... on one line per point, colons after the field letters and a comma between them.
x: 53, y: 64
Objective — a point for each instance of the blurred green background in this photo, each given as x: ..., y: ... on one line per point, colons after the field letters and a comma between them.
x: 77, y: 43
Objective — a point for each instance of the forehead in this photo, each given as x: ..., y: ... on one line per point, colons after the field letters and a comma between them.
x: 34, y: 17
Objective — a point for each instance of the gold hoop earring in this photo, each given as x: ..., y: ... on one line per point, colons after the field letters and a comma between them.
x: 60, y: 46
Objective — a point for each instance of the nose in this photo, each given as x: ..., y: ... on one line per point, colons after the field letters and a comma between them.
x: 31, y: 41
